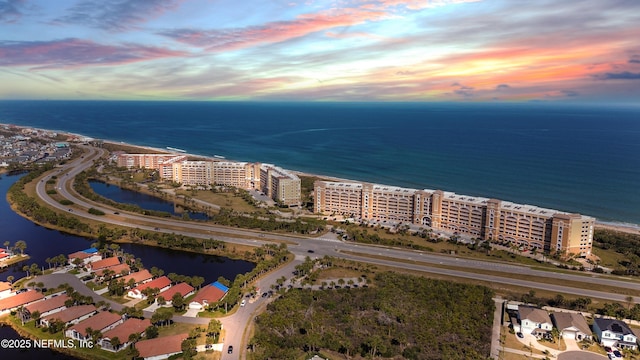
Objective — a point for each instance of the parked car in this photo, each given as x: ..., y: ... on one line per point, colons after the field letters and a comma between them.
x: 520, y: 335
x: 243, y: 303
x: 230, y: 349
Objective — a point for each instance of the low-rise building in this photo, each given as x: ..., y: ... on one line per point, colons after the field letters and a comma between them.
x: 104, y: 263
x: 23, y: 299
x: 72, y: 315
x: 613, y: 332
x: 534, y: 321
x: 122, y: 333
x: 5, y: 289
x: 162, y: 283
x: 140, y: 277
x: 209, y: 294
x: 162, y: 347
x: 87, y: 256
x: 183, y: 289
x: 102, y: 321
x: 46, y: 307
x: 571, y: 325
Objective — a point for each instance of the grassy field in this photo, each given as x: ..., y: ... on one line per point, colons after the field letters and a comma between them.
x: 227, y: 200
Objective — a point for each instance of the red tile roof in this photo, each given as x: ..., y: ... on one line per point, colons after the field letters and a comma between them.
x: 104, y: 263
x: 20, y: 299
x: 48, y: 304
x: 4, y: 286
x: 80, y: 255
x: 182, y: 288
x: 161, y: 346
x: 117, y: 269
x: 71, y: 313
x: 130, y: 326
x: 3, y: 255
x: 138, y: 276
x: 159, y: 283
x: 97, y: 322
x: 209, y: 293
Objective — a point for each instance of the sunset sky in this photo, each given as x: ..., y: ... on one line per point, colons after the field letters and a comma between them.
x: 342, y: 50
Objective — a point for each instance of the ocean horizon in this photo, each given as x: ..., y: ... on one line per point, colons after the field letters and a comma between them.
x: 570, y: 158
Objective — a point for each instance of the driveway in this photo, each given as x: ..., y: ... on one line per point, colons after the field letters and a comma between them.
x: 572, y: 344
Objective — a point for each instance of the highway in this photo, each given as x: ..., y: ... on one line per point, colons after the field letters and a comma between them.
x: 326, y: 245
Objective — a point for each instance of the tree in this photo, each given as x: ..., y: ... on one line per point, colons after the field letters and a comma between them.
x: 21, y: 245
x: 161, y: 301
x: 36, y: 316
x: 177, y: 301
x: 10, y: 279
x: 151, y: 332
x: 115, y: 342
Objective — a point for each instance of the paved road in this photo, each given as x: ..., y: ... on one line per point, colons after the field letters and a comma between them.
x: 330, y: 246
x: 327, y: 245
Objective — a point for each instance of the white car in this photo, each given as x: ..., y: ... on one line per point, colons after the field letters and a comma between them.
x: 243, y: 303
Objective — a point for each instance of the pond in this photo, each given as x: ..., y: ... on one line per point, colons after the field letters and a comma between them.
x: 43, y: 243
x: 148, y: 202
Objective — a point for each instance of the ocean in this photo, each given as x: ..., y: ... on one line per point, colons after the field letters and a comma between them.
x: 583, y: 159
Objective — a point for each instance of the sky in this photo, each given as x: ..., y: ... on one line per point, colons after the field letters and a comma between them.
x: 329, y: 50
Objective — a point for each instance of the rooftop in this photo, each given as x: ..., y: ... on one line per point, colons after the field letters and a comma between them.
x: 161, y: 346
x: 182, y: 288
x: 534, y: 314
x: 613, y: 325
x: 138, y: 276
x: 130, y: 326
x: 159, y: 283
x: 565, y: 320
x: 72, y: 313
x: 209, y: 294
x: 24, y: 298
x: 105, y: 263
x: 48, y: 304
x: 97, y: 322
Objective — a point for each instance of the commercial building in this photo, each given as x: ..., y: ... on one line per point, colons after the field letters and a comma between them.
x: 477, y: 217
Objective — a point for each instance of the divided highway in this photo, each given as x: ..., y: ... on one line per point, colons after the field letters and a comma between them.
x: 327, y: 246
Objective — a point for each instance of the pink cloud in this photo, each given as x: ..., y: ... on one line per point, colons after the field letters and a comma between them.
x: 232, y: 39
x: 76, y: 52
x: 117, y: 15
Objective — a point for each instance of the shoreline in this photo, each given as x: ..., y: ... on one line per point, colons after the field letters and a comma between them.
x: 599, y: 224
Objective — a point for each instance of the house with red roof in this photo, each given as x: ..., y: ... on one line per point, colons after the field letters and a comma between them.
x: 102, y: 321
x: 140, y: 277
x: 208, y: 295
x: 116, y: 269
x: 162, y: 283
x: 87, y: 256
x: 104, y: 263
x: 162, y: 347
x: 122, y: 332
x: 47, y: 306
x: 5, y: 289
x: 72, y: 315
x: 183, y: 289
x: 22, y: 299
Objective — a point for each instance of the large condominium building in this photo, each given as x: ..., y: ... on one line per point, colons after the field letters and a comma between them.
x: 239, y: 174
x: 193, y: 172
x: 280, y: 185
x: 277, y: 183
x: 147, y: 161
x: 489, y: 219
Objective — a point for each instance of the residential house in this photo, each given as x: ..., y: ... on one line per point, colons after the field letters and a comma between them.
x: 613, y: 332
x: 140, y: 277
x: 571, y: 325
x: 46, y: 307
x: 5, y: 289
x: 104, y: 263
x: 116, y: 271
x: 122, y: 333
x: 72, y: 315
x: 209, y: 294
x: 87, y: 256
x: 534, y: 321
x: 102, y: 321
x: 162, y: 283
x: 17, y: 300
x: 183, y: 289
x: 162, y: 347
